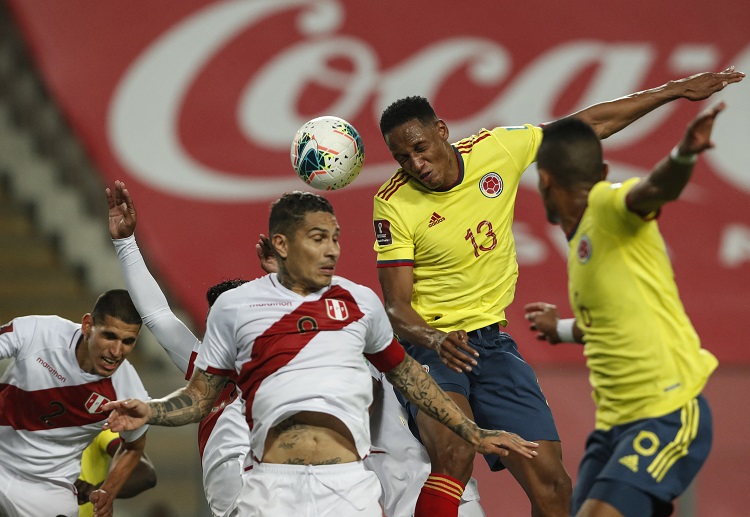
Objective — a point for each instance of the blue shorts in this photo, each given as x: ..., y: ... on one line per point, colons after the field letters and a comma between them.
x: 641, y: 467
x: 502, y: 388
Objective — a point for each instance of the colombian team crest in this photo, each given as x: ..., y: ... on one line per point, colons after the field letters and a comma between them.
x: 337, y: 310
x: 95, y: 402
x: 584, y: 249
x: 491, y: 184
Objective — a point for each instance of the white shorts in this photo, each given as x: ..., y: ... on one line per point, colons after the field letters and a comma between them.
x: 22, y: 497
x: 221, y: 485
x: 271, y: 490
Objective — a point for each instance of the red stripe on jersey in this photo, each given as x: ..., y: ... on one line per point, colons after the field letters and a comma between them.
x: 283, y: 340
x: 113, y: 445
x: 191, y: 365
x: 464, y: 146
x: 6, y: 328
x: 386, y: 360
x: 206, y: 426
x: 55, y: 407
x: 397, y: 181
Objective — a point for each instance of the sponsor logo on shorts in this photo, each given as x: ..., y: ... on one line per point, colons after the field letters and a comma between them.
x: 491, y: 184
x: 630, y: 461
x: 383, y: 232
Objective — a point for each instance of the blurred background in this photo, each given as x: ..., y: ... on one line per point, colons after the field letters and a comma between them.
x: 194, y: 105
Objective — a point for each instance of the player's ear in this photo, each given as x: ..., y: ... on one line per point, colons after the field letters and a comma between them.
x: 86, y: 323
x: 442, y: 128
x: 545, y: 178
x: 280, y: 244
x: 605, y: 170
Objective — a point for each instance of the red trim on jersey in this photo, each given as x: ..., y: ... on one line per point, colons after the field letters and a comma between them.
x: 54, y: 408
x: 283, y: 340
x: 395, y: 263
x: 386, y: 360
x: 191, y: 365
x: 6, y: 328
x: 464, y: 146
x: 397, y: 181
x: 219, y: 371
x: 113, y: 445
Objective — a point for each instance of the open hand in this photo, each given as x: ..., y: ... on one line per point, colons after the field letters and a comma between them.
x: 455, y: 351
x: 121, y: 211
x: 503, y: 442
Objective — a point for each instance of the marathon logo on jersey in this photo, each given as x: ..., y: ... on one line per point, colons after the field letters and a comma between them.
x: 95, y: 402
x: 337, y: 310
x: 491, y: 185
x: 584, y: 249
x: 51, y: 369
x: 383, y: 232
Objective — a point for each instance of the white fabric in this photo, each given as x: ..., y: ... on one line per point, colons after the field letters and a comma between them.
x: 25, y: 497
x: 227, y: 441
x: 45, y: 368
x: 271, y: 490
x: 265, y: 333
x: 400, y: 461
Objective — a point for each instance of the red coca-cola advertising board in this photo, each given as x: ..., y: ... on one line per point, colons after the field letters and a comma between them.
x: 194, y: 104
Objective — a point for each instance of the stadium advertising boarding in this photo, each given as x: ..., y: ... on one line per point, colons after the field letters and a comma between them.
x: 194, y: 105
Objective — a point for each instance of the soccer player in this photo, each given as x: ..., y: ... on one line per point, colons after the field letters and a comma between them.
x: 51, y: 405
x: 296, y: 338
x: 647, y: 368
x: 223, y: 435
x: 95, y: 463
x: 447, y: 269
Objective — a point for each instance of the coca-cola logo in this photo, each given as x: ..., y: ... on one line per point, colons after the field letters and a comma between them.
x: 146, y: 107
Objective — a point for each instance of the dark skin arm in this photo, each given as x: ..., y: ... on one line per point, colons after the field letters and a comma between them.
x: 543, y: 317
x: 123, y: 464
x: 141, y: 479
x: 668, y: 178
x: 397, y: 284
x: 607, y: 118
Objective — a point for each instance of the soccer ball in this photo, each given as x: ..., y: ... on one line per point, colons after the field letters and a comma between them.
x: 327, y: 153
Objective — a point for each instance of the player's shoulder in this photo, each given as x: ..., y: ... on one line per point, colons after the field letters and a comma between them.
x: 397, y: 186
x: 37, y: 326
x: 357, y: 290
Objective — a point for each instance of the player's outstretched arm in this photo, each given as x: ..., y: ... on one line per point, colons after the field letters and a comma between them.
x: 397, y: 284
x: 607, y: 118
x: 421, y: 389
x: 546, y: 322
x: 670, y: 176
x: 185, y: 406
x: 123, y: 464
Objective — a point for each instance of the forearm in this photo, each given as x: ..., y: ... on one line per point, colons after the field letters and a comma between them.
x: 607, y: 118
x: 142, y: 478
x: 121, y: 468
x: 182, y: 407
x: 409, y: 326
x: 421, y: 389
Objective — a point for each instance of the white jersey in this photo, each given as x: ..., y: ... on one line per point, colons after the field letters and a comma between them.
x: 50, y: 409
x: 298, y: 353
x: 400, y: 461
x: 223, y: 435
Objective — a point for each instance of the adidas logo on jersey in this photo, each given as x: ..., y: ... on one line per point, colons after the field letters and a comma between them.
x: 630, y: 461
x: 435, y: 219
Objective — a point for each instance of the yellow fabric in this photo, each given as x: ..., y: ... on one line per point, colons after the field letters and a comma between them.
x: 459, y: 242
x: 644, y: 356
x: 95, y: 465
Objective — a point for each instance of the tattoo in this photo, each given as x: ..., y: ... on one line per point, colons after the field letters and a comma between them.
x: 303, y: 461
x: 421, y: 389
x: 189, y: 404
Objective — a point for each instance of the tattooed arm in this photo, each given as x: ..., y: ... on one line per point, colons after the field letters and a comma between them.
x: 421, y: 389
x: 185, y: 406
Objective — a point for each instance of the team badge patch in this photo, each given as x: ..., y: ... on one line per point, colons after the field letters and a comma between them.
x: 383, y: 232
x: 491, y: 184
x: 95, y: 402
x: 584, y: 249
x: 337, y: 310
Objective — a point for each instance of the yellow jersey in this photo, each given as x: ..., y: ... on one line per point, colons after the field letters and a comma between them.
x: 95, y: 464
x: 644, y: 357
x: 459, y: 241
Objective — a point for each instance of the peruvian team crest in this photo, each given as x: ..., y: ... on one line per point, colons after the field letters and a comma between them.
x: 584, y: 249
x: 337, y: 310
x: 491, y: 184
x: 95, y: 402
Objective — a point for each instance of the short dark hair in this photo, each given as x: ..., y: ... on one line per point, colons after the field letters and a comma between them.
x: 571, y: 152
x: 215, y: 290
x: 289, y: 211
x: 117, y: 304
x: 404, y: 110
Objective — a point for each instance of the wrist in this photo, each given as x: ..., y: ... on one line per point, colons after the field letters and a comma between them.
x: 565, y: 330
x: 683, y: 159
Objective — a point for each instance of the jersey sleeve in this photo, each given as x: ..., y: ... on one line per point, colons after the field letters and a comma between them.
x: 393, y: 241
x: 218, y: 351
x: 609, y: 203
x: 11, y: 336
x: 381, y: 347
x: 171, y: 333
x: 520, y: 143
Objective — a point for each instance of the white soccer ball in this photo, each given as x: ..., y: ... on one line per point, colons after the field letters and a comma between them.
x: 327, y: 153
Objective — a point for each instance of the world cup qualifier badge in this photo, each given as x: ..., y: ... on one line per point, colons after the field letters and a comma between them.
x: 583, y: 252
x: 491, y: 184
